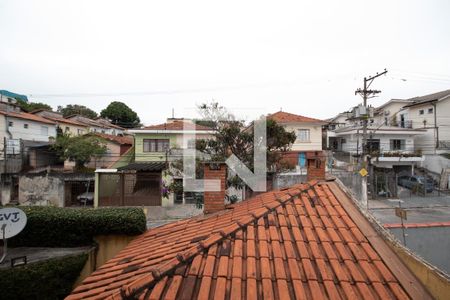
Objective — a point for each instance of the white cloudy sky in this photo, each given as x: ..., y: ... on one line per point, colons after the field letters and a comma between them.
x: 252, y: 56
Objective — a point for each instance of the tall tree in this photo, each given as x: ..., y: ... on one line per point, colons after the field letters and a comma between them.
x: 120, y: 114
x: 233, y: 136
x: 79, y: 149
x: 75, y: 109
x: 30, y: 106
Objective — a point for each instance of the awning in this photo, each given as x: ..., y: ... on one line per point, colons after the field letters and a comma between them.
x: 153, y: 166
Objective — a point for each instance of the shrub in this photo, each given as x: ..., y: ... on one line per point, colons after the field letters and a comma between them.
x: 50, y: 279
x: 71, y: 227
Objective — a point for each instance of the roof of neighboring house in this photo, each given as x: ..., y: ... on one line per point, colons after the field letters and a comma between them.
x: 176, y: 125
x: 121, y: 140
x: 106, y: 122
x: 13, y: 95
x: 284, y: 117
x: 27, y: 116
x: 428, y: 98
x: 56, y: 117
x: 309, y: 241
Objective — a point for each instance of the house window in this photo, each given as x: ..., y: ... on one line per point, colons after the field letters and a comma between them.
x: 430, y: 110
x: 303, y: 135
x: 397, y: 145
x: 156, y: 145
x: 80, y: 131
x: 10, y: 124
x: 343, y: 141
x: 44, y: 130
x: 385, y: 121
x: 421, y: 112
x: 25, y: 126
x: 67, y: 129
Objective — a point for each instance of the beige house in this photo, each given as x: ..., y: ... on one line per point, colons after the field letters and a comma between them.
x: 71, y: 127
x: 308, y: 132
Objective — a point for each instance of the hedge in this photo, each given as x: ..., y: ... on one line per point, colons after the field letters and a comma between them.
x: 50, y: 279
x: 73, y: 227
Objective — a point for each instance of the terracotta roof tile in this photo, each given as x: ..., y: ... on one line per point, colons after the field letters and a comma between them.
x: 284, y: 117
x: 304, y: 245
x: 27, y: 116
x: 177, y: 125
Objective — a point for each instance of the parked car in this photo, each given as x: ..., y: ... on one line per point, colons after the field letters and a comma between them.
x: 87, y: 197
x: 410, y: 182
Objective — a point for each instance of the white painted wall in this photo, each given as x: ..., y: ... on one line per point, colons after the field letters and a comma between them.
x: 385, y: 142
x: 34, y: 132
x: 427, y: 142
x: 435, y: 163
x: 315, y: 134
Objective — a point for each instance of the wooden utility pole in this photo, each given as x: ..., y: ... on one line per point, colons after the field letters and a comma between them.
x: 366, y: 94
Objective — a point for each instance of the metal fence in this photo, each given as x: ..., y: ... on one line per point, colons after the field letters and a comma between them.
x: 351, y: 179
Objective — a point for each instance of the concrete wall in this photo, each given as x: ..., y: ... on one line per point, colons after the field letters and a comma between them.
x: 437, y: 283
x: 3, y: 134
x: 107, y: 247
x: 41, y: 190
x: 435, y: 163
x: 285, y: 180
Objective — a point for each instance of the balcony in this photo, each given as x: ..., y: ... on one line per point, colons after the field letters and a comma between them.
x: 397, y: 156
x: 402, y: 124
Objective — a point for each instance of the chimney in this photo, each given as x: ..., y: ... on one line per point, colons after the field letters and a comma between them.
x: 315, y: 165
x: 215, y: 201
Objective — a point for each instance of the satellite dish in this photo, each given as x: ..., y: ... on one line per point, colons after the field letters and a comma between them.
x: 12, y: 222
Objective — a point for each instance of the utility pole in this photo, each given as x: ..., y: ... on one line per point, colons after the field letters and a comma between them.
x: 366, y: 94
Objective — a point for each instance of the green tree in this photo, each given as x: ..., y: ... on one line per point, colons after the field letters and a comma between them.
x: 79, y: 149
x: 30, y: 106
x: 75, y: 109
x: 233, y: 136
x: 120, y: 114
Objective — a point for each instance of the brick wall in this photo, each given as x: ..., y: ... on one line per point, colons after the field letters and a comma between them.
x: 316, y: 165
x: 215, y: 201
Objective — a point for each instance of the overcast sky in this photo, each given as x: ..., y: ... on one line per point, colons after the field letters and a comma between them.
x: 252, y: 56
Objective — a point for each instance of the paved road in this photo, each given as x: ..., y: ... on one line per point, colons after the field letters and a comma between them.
x: 431, y: 208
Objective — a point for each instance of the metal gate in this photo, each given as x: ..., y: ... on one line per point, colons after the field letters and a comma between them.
x: 130, y: 189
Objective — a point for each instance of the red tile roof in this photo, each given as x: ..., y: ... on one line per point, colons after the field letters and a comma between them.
x: 298, y: 243
x: 177, y: 125
x: 27, y: 116
x: 284, y: 117
x: 121, y: 140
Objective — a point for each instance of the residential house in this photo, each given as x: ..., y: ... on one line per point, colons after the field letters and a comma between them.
x: 20, y: 125
x: 69, y: 126
x: 432, y: 114
x: 145, y: 178
x: 308, y: 132
x: 308, y: 241
x: 98, y: 125
x: 19, y: 131
x: 113, y: 129
x: 116, y: 147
